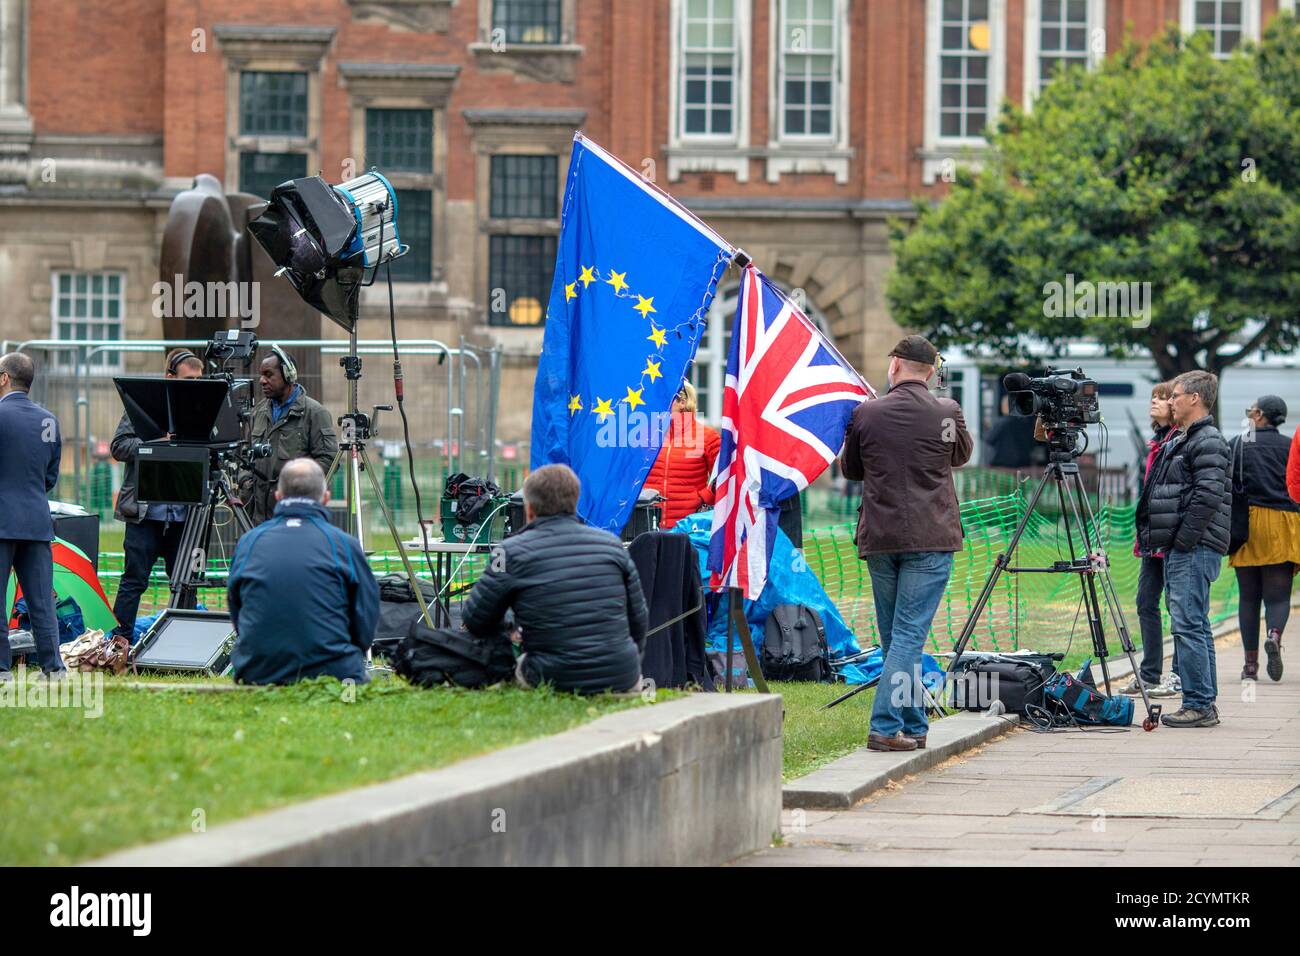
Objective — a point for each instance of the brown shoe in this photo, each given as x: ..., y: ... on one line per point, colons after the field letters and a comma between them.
x: 881, y: 742
x: 920, y: 740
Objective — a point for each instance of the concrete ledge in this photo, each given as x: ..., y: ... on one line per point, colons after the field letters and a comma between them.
x: 846, y: 781
x: 690, y: 781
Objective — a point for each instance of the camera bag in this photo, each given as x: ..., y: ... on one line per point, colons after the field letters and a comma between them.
x: 1015, y: 680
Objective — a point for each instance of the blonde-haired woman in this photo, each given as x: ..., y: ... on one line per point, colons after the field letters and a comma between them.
x: 684, y: 467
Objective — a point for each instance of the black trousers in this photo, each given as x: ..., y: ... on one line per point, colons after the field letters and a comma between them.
x: 146, y: 542
x: 1271, y: 585
x: 33, y: 563
x: 1151, y: 585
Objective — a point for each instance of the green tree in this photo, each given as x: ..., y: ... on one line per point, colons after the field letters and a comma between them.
x: 1163, y: 166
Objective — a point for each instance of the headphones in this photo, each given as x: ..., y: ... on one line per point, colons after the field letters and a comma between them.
x: 178, y: 359
x: 287, y: 368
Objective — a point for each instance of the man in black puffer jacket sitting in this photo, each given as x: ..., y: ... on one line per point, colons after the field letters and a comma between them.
x: 575, y: 594
x: 1188, y: 503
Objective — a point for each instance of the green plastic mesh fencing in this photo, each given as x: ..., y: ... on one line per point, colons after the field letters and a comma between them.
x: 1042, y: 612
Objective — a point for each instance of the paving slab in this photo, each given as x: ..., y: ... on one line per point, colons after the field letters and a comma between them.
x: 1227, y: 795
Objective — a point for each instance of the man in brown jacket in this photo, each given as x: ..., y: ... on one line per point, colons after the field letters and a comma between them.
x: 903, y: 447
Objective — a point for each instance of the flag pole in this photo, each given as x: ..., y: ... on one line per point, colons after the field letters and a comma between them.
x: 736, y: 603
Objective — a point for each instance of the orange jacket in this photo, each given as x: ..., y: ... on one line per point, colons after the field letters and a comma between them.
x: 681, y: 472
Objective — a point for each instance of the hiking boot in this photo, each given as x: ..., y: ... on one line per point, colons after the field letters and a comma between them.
x: 919, y: 738
x: 1192, y: 717
x: 1273, y: 648
x: 1251, y: 670
x: 881, y: 742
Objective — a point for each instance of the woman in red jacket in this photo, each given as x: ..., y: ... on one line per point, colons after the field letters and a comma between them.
x: 684, y: 467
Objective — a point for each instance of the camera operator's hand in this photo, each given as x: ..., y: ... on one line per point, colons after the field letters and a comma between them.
x: 1040, y: 433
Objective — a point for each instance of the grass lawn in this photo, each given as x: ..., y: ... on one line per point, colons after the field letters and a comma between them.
x: 158, y: 761
x: 813, y: 737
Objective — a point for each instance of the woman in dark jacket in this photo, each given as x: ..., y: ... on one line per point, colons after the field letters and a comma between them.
x: 1267, y: 563
x: 1151, y: 573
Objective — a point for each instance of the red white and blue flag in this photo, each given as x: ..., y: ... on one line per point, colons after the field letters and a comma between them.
x: 785, y: 408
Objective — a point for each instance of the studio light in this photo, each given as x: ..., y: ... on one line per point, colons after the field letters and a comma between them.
x: 325, y: 237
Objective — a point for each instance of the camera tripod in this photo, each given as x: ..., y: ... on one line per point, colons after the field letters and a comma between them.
x: 356, y: 429
x: 190, y: 572
x: 1092, y: 567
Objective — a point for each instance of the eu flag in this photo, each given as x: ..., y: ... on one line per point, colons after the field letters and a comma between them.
x: 634, y: 275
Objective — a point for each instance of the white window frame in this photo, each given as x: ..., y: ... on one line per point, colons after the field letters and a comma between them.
x: 63, y: 358
x: 679, y: 111
x: 1250, y: 21
x: 696, y: 153
x: 839, y: 92
x: 939, y: 149
x: 1033, y: 36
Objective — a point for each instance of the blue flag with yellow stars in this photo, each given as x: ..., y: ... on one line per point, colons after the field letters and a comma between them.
x: 634, y: 275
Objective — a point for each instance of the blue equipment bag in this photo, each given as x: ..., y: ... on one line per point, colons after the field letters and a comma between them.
x: 1079, y: 697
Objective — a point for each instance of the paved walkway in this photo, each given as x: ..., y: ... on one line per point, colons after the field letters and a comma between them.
x: 1223, y: 795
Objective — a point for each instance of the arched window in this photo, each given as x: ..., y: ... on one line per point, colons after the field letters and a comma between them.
x: 709, y: 370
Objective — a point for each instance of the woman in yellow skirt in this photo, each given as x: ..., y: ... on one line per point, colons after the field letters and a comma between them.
x: 1267, y: 563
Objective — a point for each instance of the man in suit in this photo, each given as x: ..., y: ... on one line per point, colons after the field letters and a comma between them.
x: 29, y: 470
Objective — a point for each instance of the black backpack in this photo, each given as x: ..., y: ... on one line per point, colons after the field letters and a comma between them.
x: 429, y: 657
x: 398, y: 607
x: 794, y: 645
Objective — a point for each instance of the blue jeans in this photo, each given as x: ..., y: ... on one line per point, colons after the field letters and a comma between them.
x: 1188, y: 576
x: 906, y: 589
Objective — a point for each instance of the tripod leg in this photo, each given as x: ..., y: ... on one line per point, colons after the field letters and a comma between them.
x: 397, y: 540
x: 191, y: 557
x: 1152, y: 720
x: 853, y: 693
x: 1069, y: 508
x: 999, y: 565
x: 354, y: 493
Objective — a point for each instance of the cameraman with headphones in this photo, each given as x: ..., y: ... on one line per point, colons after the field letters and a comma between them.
x: 151, y: 532
x: 293, y: 424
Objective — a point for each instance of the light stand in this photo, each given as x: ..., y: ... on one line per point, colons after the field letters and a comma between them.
x: 356, y: 431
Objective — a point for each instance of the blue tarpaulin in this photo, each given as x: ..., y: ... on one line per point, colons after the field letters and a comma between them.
x: 791, y: 581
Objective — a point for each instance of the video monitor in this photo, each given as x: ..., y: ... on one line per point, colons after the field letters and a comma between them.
x: 172, y: 475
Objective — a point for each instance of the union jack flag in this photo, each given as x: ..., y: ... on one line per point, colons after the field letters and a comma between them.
x: 785, y: 408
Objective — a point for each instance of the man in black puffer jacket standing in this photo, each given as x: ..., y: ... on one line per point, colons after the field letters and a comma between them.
x: 1188, y: 501
x: 575, y: 594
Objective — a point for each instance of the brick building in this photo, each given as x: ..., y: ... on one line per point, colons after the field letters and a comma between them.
x: 794, y: 127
